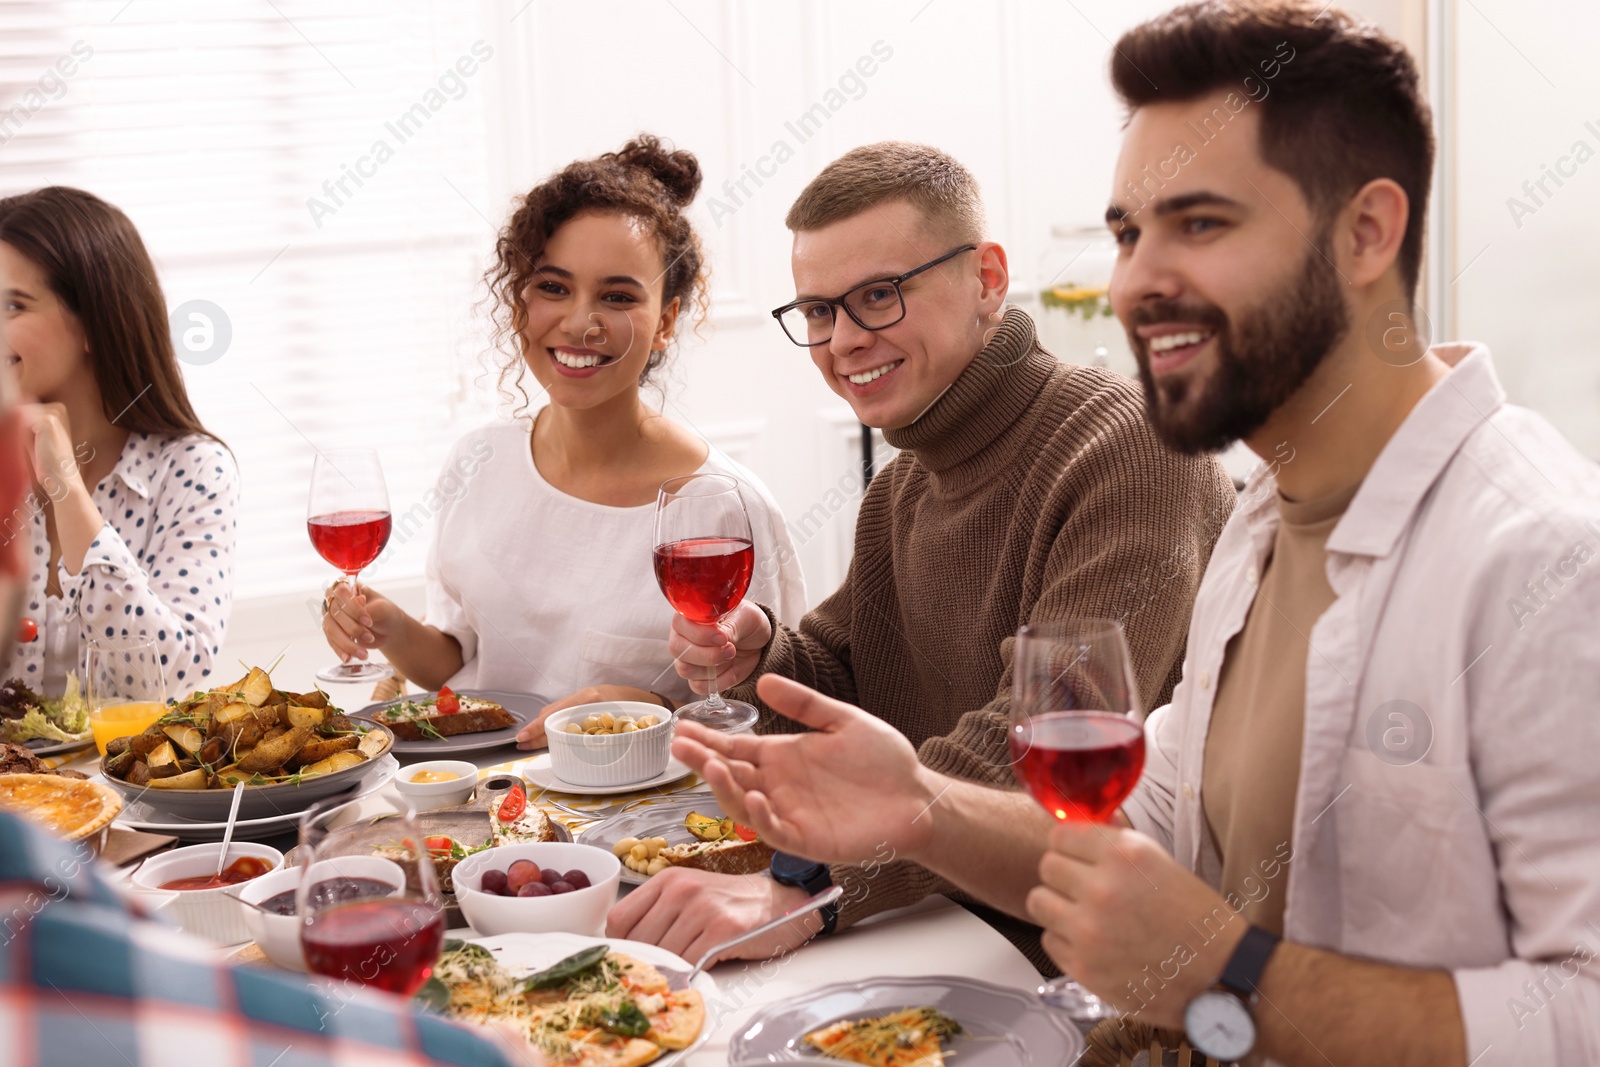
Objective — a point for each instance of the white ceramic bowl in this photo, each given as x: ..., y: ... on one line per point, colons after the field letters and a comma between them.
x: 582, y: 911
x: 214, y: 914
x: 279, y: 935
x: 425, y: 796
x: 610, y: 759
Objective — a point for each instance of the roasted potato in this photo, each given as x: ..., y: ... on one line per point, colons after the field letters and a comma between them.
x: 313, y: 699
x: 195, y: 779
x: 233, y: 713
x: 271, y: 754
x: 185, y: 737
x: 336, y: 762
x: 314, y: 751
x: 139, y: 774
x: 162, y: 755
x: 374, y: 743
x: 299, y: 715
x: 148, y: 741
x: 117, y: 746
x: 256, y: 687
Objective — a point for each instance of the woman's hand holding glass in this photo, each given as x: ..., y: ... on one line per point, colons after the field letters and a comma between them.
x: 734, y: 644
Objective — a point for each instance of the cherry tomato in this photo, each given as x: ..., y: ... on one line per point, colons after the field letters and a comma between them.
x: 744, y: 832
x: 27, y: 630
x: 448, y: 703
x: 515, y: 803
x: 439, y: 846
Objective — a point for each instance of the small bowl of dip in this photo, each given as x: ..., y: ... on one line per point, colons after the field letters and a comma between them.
x: 441, y: 783
x: 203, y: 902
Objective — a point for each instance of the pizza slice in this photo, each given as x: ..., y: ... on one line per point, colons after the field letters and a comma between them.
x: 908, y: 1038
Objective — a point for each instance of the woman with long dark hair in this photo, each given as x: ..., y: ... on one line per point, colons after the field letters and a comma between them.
x: 133, y: 513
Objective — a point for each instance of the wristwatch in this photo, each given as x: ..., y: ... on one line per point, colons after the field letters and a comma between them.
x: 1221, y: 1022
x: 810, y: 876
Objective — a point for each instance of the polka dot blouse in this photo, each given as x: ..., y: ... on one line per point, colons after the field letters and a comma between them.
x: 162, y: 565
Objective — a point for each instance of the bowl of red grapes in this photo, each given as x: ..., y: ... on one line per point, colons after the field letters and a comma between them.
x: 539, y: 887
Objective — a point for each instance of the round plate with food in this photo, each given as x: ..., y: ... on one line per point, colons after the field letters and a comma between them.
x: 70, y: 808
x: 679, y: 831
x: 46, y: 726
x: 641, y: 1011
x: 539, y: 771
x: 144, y: 814
x: 289, y: 749
x: 930, y: 1020
x: 450, y: 723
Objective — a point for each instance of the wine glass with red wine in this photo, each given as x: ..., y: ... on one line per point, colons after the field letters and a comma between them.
x: 1077, y: 739
x: 369, y: 904
x: 703, y: 559
x: 349, y: 521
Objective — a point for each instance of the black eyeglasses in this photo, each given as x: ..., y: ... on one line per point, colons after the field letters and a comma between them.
x: 873, y: 305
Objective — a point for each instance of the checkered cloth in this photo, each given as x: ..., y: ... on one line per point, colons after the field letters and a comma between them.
x: 85, y: 980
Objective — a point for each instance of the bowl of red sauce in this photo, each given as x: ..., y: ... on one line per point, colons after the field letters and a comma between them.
x: 203, y: 902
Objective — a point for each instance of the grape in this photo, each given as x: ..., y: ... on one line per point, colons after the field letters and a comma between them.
x: 521, y: 873
x: 550, y: 876
x: 578, y: 879
x: 562, y: 886
x: 534, y: 889
x: 495, y: 882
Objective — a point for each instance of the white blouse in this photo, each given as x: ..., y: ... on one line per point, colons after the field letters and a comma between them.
x: 548, y: 593
x: 162, y: 565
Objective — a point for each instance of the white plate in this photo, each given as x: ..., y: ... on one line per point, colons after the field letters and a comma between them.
x: 142, y: 815
x: 523, y: 954
x: 538, y: 771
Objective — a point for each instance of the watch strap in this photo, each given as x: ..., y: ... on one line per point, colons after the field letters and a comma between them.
x: 817, y: 878
x: 1243, y: 971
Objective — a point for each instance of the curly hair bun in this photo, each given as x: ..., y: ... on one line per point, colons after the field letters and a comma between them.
x: 676, y: 170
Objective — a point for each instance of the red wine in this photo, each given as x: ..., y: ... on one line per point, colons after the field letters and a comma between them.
x: 350, y: 539
x: 704, y: 578
x: 1080, y: 765
x: 388, y: 944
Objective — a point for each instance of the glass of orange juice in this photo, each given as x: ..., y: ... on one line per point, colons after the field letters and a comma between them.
x: 125, y: 687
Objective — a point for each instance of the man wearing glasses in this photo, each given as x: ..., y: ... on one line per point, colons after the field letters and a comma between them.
x: 1026, y: 489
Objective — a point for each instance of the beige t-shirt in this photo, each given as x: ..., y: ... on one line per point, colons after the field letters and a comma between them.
x: 1252, y: 762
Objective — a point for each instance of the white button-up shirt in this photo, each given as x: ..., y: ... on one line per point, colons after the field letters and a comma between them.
x: 161, y: 566
x: 1448, y: 813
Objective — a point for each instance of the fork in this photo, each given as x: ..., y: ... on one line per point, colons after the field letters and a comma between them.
x: 680, y: 980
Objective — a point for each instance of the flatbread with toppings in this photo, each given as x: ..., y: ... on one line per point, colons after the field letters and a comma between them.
x: 908, y: 1038
x: 70, y: 808
x: 597, y: 1008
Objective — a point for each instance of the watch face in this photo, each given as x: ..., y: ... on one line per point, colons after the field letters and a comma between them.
x: 1220, y: 1026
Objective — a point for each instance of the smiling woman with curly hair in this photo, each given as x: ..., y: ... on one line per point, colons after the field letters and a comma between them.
x: 539, y: 576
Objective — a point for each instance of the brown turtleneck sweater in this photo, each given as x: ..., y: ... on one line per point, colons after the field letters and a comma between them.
x: 1031, y: 490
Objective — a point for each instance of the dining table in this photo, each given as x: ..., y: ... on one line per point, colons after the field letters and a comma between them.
x: 933, y: 937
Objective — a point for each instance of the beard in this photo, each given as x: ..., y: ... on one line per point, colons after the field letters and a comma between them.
x: 1261, y: 361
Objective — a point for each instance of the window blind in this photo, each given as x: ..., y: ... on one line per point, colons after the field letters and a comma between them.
x: 316, y: 171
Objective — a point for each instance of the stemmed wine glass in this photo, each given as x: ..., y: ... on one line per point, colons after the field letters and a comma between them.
x: 1077, y: 739
x: 703, y: 559
x: 349, y: 521
x: 368, y: 902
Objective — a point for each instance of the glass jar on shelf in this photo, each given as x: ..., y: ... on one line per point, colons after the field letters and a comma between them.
x: 1075, y: 319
